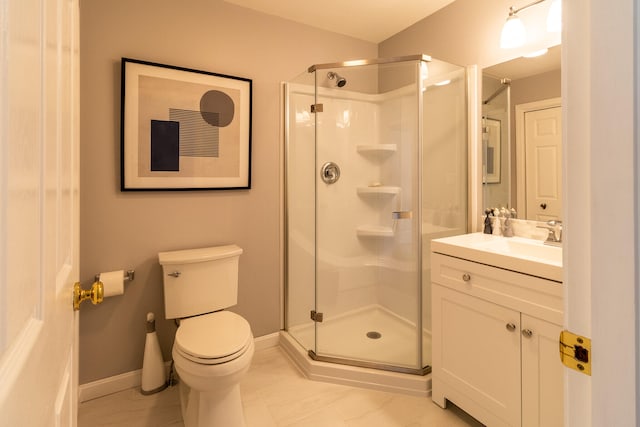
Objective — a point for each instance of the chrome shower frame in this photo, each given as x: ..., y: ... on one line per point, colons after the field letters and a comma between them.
x: 360, y: 62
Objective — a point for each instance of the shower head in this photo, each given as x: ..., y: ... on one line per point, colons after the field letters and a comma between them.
x: 340, y: 81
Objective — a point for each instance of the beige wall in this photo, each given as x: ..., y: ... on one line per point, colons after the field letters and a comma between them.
x: 535, y: 88
x: 127, y: 230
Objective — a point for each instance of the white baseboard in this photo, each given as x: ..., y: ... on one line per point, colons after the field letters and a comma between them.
x: 133, y: 379
x: 267, y: 341
x: 109, y: 385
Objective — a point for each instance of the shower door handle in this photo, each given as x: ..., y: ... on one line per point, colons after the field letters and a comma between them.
x: 401, y: 215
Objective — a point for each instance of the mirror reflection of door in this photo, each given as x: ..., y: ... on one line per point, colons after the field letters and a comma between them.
x: 539, y: 146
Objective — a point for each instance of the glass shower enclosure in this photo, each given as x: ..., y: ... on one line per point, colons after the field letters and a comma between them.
x: 375, y: 167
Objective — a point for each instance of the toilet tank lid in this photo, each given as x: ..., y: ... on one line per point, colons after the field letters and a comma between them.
x: 198, y: 255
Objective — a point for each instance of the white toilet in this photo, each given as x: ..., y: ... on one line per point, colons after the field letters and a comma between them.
x: 213, y: 348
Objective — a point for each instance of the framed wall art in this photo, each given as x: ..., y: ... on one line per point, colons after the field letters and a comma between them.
x: 184, y: 129
x: 493, y: 141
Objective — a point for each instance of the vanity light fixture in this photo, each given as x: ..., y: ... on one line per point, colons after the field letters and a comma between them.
x: 514, y: 34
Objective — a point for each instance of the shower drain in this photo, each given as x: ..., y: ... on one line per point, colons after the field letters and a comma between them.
x: 374, y: 335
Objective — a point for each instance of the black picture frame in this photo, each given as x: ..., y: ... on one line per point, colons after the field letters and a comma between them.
x: 184, y: 129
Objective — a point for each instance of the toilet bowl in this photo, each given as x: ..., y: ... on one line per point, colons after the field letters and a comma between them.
x: 213, y: 347
x: 211, y: 354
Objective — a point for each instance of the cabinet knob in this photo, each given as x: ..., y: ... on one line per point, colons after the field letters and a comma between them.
x: 527, y: 333
x: 466, y: 277
x: 511, y: 327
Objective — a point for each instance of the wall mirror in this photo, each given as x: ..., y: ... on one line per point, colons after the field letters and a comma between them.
x: 522, y: 136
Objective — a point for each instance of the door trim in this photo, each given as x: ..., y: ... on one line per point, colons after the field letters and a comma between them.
x: 521, y: 110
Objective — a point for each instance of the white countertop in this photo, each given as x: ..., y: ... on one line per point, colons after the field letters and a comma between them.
x: 518, y: 254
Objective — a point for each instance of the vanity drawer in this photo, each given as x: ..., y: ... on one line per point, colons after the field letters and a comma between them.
x: 541, y: 298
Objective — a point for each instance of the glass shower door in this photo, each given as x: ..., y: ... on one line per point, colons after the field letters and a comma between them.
x: 367, y: 219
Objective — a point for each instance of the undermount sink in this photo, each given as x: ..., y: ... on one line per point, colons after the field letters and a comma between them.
x: 512, y: 253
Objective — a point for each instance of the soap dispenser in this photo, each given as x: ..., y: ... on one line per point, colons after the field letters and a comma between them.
x: 496, y: 225
x: 487, y: 221
x: 153, y: 371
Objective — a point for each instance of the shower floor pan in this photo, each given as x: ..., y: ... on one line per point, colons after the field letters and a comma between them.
x: 369, y: 336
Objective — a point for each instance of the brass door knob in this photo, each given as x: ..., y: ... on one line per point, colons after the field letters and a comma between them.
x: 95, y: 294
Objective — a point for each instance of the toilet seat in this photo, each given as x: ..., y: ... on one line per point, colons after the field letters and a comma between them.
x: 213, y: 338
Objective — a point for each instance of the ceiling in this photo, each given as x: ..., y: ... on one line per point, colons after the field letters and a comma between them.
x: 524, y: 67
x: 370, y: 20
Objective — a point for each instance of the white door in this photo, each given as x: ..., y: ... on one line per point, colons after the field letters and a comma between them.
x: 543, y: 163
x: 601, y: 184
x: 39, y: 130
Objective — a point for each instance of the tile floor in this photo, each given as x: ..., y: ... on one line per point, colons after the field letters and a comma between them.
x: 276, y: 394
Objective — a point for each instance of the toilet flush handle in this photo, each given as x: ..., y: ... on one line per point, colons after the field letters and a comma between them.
x: 174, y: 274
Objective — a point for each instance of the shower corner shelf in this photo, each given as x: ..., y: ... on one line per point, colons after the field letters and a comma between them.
x: 377, y: 148
x: 374, y: 231
x: 382, y: 189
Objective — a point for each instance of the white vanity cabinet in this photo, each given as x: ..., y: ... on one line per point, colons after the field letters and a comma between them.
x: 495, y: 342
x: 542, y: 373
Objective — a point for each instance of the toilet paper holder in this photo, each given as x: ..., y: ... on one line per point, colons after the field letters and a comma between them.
x: 129, y: 275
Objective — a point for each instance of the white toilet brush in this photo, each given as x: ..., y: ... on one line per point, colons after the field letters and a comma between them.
x: 153, y: 372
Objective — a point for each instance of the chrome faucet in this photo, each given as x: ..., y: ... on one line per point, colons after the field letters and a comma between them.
x: 555, y: 232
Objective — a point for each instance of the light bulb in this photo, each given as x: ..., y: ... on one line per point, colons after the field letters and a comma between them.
x: 554, y: 18
x: 513, y: 33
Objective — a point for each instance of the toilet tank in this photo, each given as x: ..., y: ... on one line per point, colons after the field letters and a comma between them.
x: 198, y: 281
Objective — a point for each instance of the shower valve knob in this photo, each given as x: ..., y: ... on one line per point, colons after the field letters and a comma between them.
x: 330, y: 172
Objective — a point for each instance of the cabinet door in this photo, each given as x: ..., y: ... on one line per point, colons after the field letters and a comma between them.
x: 476, y: 355
x: 542, y: 374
